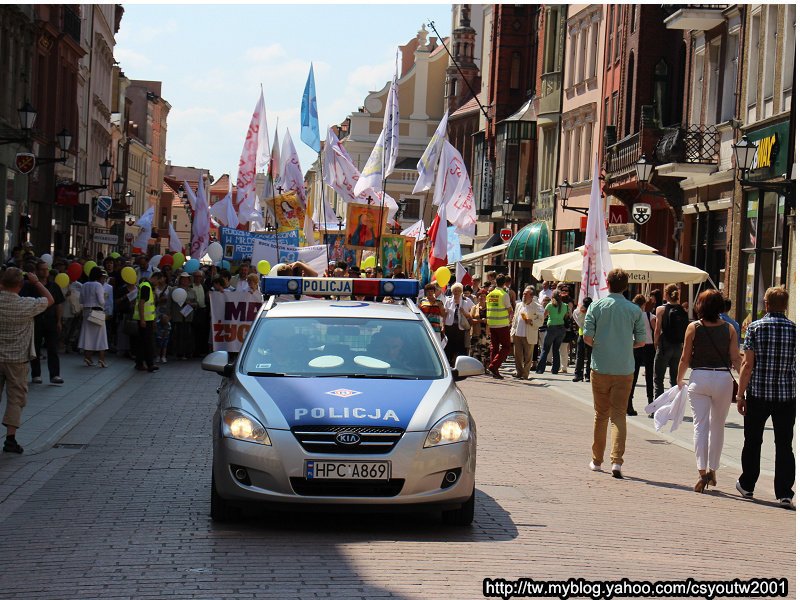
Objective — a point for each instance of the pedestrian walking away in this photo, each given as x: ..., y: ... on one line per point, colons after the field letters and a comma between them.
x: 46, y: 326
x: 93, y: 336
x: 671, y: 323
x: 644, y: 356
x: 767, y: 390
x: 16, y: 341
x: 710, y: 348
x: 499, y: 312
x: 583, y: 352
x: 613, y: 328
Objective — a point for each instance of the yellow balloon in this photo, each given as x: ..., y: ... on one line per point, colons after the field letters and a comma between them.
x: 88, y: 266
x: 263, y: 267
x: 442, y: 276
x: 177, y: 260
x: 62, y: 280
x: 129, y: 275
x: 368, y: 263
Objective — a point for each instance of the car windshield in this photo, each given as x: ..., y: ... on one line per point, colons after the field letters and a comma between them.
x: 341, y: 347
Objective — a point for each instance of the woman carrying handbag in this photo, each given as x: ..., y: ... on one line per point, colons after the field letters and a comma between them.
x: 710, y: 348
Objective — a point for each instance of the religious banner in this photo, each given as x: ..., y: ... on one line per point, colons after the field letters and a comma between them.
x: 337, y: 251
x: 238, y: 244
x: 314, y: 256
x: 362, y: 226
x: 392, y: 249
x: 288, y: 210
x: 232, y: 314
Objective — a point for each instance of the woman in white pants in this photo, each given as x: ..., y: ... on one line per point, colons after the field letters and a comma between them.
x: 710, y: 348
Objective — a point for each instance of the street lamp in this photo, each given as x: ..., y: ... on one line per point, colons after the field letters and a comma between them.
x: 508, y: 207
x: 64, y: 141
x: 27, y: 117
x: 745, y: 152
x: 119, y: 185
x: 564, y: 191
x: 644, y: 170
x: 105, y: 174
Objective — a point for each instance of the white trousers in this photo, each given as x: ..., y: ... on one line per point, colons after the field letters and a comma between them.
x: 564, y: 352
x: 710, y: 398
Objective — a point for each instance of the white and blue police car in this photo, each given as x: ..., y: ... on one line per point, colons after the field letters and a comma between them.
x: 340, y: 402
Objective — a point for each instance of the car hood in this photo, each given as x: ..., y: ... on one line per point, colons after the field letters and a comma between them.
x: 291, y: 402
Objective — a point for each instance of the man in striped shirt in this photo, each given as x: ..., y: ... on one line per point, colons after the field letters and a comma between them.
x: 768, y: 378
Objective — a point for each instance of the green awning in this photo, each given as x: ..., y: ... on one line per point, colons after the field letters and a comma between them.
x: 531, y: 243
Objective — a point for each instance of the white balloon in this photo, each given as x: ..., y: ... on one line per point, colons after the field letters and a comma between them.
x: 154, y: 261
x: 273, y: 272
x: 48, y: 258
x: 179, y: 296
x: 214, y: 252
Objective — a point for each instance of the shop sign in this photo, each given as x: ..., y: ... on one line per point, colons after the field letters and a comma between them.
x: 67, y: 194
x: 617, y: 214
x: 505, y: 235
x: 106, y: 238
x: 771, y: 157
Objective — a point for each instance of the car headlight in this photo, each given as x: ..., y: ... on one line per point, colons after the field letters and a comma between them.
x: 238, y: 425
x: 448, y: 430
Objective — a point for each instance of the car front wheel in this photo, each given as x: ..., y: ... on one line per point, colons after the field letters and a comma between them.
x: 461, y: 516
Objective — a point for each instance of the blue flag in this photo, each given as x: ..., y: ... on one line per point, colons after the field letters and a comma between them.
x: 309, y: 121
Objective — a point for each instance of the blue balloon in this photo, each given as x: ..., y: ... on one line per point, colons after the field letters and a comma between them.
x: 225, y: 264
x: 191, y: 265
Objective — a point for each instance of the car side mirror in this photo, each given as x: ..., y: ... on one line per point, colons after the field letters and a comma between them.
x: 219, y: 362
x: 466, y: 366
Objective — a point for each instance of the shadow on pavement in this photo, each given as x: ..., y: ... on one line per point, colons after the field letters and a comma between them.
x: 492, y: 524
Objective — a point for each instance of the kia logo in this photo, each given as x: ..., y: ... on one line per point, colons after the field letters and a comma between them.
x: 348, y: 438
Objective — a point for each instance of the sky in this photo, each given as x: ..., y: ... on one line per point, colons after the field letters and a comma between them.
x: 212, y: 60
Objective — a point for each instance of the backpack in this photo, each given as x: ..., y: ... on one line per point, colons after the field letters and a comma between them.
x: 674, y: 323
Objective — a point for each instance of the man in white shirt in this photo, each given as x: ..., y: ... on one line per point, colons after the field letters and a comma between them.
x: 528, y: 317
x: 457, y: 322
x: 547, y: 292
x: 239, y: 281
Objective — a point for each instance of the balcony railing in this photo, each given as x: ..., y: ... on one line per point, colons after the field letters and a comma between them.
x: 622, y: 155
x: 694, y: 144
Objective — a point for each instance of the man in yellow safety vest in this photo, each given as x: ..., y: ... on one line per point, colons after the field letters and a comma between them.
x: 499, y: 313
x: 144, y: 312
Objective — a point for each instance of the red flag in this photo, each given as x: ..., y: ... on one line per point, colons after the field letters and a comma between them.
x: 438, y: 236
x: 462, y: 275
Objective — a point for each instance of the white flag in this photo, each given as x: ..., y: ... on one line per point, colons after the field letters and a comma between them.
x: 174, y: 241
x: 146, y: 223
x: 383, y: 157
x: 291, y: 174
x: 340, y: 173
x: 427, y: 163
x: 596, y: 255
x: 248, y: 163
x: 417, y: 231
x: 454, y: 191
x: 201, y: 223
x: 273, y: 173
x: 224, y: 213
x: 262, y: 158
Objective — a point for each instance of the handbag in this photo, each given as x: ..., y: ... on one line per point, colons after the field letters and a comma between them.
x: 98, y: 317
x: 735, y: 383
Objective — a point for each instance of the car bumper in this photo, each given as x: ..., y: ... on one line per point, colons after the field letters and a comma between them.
x: 276, y: 473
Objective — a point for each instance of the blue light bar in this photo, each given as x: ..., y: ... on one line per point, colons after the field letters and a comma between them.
x: 340, y: 286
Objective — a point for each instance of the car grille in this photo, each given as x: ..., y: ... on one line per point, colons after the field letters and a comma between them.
x: 372, y: 489
x: 321, y: 439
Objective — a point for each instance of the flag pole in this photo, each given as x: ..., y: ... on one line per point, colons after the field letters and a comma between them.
x: 322, y: 213
x: 379, y: 266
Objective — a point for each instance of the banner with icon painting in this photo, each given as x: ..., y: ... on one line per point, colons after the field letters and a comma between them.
x: 392, y: 251
x: 362, y: 226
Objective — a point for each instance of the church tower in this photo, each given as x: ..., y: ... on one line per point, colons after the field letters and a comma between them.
x: 457, y: 92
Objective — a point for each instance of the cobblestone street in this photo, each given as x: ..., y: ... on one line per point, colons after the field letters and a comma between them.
x: 124, y: 513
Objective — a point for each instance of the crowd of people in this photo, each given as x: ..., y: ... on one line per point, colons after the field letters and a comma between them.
x: 152, y: 314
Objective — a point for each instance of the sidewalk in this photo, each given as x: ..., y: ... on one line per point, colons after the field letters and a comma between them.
x: 53, y: 410
x: 683, y: 436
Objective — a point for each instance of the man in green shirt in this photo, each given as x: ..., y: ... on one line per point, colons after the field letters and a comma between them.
x: 613, y: 328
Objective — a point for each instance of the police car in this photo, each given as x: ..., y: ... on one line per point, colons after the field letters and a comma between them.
x: 341, y: 402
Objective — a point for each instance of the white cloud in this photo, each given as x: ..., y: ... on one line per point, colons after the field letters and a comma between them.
x: 132, y: 60
x: 265, y: 53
